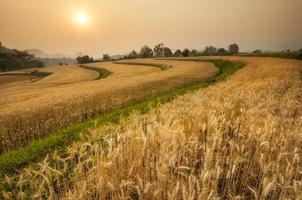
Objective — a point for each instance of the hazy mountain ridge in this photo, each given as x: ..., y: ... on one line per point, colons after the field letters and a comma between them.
x: 41, y: 54
x: 51, y: 59
x: 13, y: 59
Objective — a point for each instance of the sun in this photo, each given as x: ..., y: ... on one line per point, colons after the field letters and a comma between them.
x: 81, y: 18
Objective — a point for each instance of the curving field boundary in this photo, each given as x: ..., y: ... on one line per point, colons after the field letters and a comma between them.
x: 57, y: 102
x: 140, y: 62
x: 103, y: 73
x: 64, y: 137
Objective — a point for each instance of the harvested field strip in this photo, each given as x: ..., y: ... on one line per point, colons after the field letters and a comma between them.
x: 161, y: 66
x: 15, y: 159
x: 103, y: 73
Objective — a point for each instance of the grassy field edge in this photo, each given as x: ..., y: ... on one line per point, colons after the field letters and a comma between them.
x: 103, y: 73
x: 12, y: 160
x: 289, y: 55
x: 161, y: 66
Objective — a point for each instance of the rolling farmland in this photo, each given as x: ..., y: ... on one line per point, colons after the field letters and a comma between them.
x: 151, y: 100
x: 33, y: 110
x: 236, y: 139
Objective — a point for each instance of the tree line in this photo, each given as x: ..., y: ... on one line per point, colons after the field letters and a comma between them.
x: 160, y: 50
x: 15, y: 59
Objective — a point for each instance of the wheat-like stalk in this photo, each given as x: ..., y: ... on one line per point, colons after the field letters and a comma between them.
x: 239, y: 139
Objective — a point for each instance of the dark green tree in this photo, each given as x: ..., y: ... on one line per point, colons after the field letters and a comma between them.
x: 84, y: 59
x: 132, y: 55
x: 159, y: 50
x: 257, y: 51
x: 167, y: 52
x: 222, y: 52
x: 185, y: 52
x: 146, y: 52
x: 106, y: 57
x: 177, y: 53
x: 194, y: 52
x: 233, y: 48
x: 209, y: 51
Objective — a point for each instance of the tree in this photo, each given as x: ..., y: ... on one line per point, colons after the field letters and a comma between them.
x: 14, y: 59
x: 106, y: 57
x: 132, y: 55
x: 194, y: 52
x: 257, y: 51
x: 159, y: 50
x: 185, y: 52
x: 177, y: 53
x: 300, y: 50
x: 222, y: 51
x: 146, y: 52
x: 209, y: 51
x: 167, y: 52
x: 84, y: 59
x: 233, y: 48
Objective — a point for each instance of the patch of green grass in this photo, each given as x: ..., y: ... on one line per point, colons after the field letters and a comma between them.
x: 12, y: 160
x: 40, y: 74
x: 161, y: 66
x: 103, y: 73
x: 37, y: 74
x: 289, y: 55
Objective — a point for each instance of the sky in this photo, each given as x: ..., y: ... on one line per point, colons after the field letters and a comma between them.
x: 96, y: 27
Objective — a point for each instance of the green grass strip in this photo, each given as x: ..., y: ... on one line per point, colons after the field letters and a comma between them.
x: 103, y: 73
x: 161, y: 66
x: 37, y: 74
x: 40, y: 74
x: 13, y: 160
x: 289, y: 55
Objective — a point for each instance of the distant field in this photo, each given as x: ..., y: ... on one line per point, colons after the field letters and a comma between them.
x: 237, y: 139
x: 290, y: 55
x: 72, y: 94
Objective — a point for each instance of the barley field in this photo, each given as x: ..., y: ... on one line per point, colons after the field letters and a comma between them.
x: 71, y: 94
x: 238, y: 139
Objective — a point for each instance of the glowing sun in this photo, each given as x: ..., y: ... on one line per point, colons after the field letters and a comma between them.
x: 81, y: 18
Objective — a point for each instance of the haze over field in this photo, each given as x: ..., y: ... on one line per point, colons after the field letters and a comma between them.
x: 151, y: 99
x: 97, y: 26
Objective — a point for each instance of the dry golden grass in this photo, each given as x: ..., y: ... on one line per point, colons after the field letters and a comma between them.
x: 60, y: 75
x: 38, y: 109
x: 239, y: 139
x: 7, y: 81
x: 67, y: 74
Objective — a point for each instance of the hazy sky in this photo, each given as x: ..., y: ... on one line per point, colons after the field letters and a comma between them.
x: 118, y: 26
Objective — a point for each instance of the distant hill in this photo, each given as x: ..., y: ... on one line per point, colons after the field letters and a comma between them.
x: 3, y: 49
x: 57, y: 61
x: 41, y: 54
x: 12, y: 59
x: 51, y: 59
